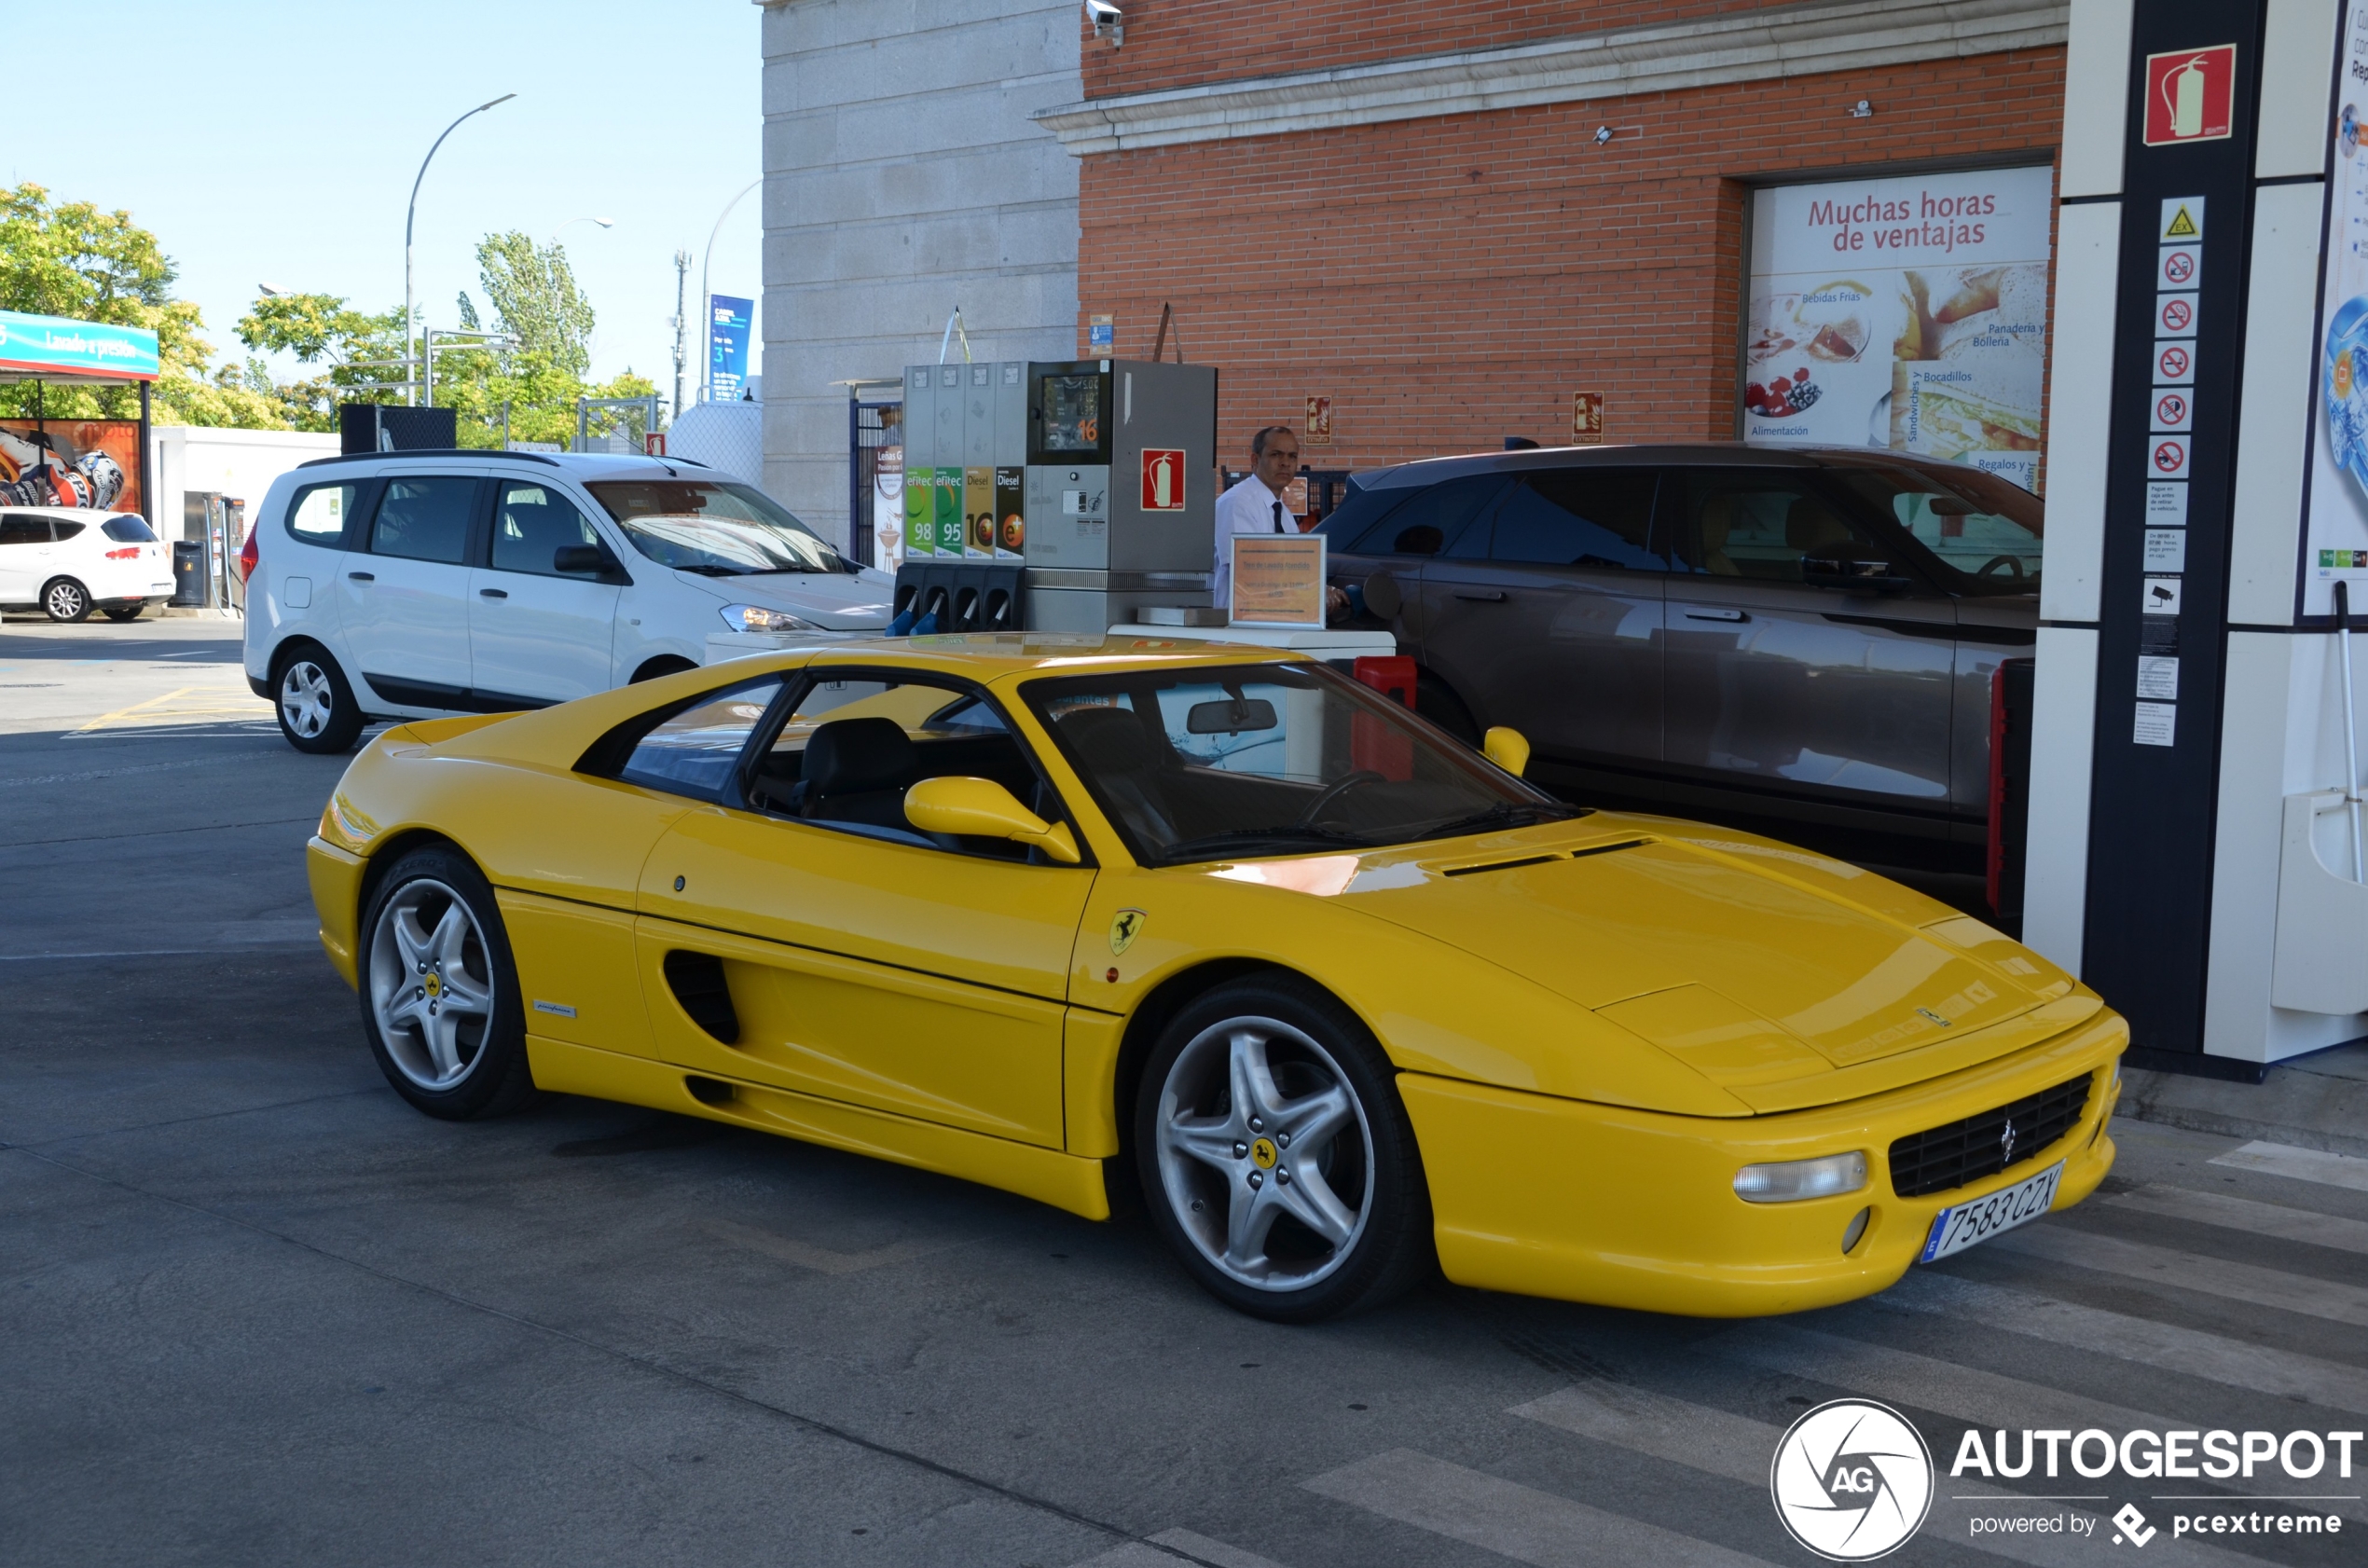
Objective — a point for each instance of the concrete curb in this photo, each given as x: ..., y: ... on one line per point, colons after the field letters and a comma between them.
x: 2320, y: 1101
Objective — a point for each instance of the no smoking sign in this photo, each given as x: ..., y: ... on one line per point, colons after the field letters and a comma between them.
x: 2175, y: 363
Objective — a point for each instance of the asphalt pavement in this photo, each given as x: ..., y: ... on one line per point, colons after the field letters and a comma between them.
x: 253, y: 1310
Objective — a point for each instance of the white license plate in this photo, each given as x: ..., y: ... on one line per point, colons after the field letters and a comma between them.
x: 1964, y: 1225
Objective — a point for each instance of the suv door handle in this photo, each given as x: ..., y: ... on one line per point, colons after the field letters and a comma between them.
x: 1716, y: 616
x: 362, y: 576
x: 493, y: 593
x: 1496, y: 597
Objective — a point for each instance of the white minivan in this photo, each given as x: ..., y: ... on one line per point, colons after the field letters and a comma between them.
x: 406, y: 584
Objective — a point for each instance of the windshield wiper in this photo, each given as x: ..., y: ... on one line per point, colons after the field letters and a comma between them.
x: 1210, y: 844
x: 707, y: 570
x: 1507, y: 814
x: 781, y: 570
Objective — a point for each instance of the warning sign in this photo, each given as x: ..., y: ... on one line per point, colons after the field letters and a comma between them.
x: 2172, y: 409
x: 2183, y: 267
x: 2167, y: 458
x: 2175, y: 315
x: 2189, y: 95
x: 2182, y: 218
x: 1162, y: 479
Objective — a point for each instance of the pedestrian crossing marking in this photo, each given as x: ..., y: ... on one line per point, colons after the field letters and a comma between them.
x: 1216, y: 1553
x: 2249, y: 1283
x: 2301, y: 1165
x: 2244, y: 1214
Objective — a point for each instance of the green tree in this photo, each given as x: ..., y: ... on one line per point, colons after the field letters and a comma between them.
x: 72, y: 259
x: 352, y: 346
x: 535, y: 300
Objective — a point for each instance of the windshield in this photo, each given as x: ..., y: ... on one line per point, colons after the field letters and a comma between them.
x: 714, y: 527
x: 1231, y: 762
x: 1988, y: 530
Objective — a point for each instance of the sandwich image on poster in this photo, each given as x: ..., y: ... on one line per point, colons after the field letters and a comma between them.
x: 1907, y: 313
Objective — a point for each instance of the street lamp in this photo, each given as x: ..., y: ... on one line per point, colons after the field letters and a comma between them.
x: 411, y: 395
x: 707, y: 308
x: 604, y: 223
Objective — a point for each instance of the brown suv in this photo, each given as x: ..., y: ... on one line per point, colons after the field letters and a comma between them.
x: 1805, y: 636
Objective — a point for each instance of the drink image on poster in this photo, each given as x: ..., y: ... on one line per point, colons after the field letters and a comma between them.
x: 2336, y: 525
x: 1906, y: 313
x: 920, y: 514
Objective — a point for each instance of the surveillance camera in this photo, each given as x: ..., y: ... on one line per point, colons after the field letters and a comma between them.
x: 1602, y: 134
x: 1109, y: 21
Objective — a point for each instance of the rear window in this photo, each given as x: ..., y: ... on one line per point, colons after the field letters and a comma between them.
x: 66, y: 531
x: 128, y: 530
x: 319, y: 513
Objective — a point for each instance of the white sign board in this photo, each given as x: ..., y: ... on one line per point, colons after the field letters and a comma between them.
x: 1907, y: 313
x: 2335, y: 531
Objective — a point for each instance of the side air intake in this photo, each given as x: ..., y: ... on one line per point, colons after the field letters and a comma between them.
x: 698, y: 981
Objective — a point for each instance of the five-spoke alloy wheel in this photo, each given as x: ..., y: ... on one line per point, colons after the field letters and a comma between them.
x: 439, y: 992
x: 1276, y: 1157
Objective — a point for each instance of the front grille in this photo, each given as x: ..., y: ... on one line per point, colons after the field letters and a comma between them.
x: 1940, y: 1158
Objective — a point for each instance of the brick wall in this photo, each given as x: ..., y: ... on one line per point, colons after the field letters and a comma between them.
x: 1449, y: 282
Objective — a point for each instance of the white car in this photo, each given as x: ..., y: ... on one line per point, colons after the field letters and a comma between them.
x: 67, y: 560
x: 405, y: 584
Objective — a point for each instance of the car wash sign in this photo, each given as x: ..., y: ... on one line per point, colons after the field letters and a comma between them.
x: 52, y: 346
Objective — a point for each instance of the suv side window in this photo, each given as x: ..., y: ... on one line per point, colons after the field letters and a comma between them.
x: 1432, y: 520
x: 1578, y: 516
x: 425, y: 518
x: 1762, y: 523
x: 319, y: 513
x: 18, y: 528
x: 532, y: 524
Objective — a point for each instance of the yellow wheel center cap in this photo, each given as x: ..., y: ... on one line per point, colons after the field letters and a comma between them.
x: 435, y: 984
x: 1262, y: 1155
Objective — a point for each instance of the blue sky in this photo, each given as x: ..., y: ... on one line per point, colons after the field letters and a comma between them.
x: 276, y: 142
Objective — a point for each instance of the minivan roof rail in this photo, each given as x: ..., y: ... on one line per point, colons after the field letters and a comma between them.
x: 432, y: 452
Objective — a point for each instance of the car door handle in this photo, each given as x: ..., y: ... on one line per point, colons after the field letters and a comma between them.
x: 1716, y: 616
x: 362, y: 576
x: 493, y: 593
x: 1496, y: 598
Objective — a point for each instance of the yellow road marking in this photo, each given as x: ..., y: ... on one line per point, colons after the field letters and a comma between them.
x: 169, y: 709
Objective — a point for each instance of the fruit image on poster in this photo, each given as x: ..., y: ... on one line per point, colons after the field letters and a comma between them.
x: 71, y: 462
x: 2336, y: 540
x: 1905, y: 313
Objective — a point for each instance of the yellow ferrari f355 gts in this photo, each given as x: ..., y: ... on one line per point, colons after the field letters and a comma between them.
x: 1345, y: 996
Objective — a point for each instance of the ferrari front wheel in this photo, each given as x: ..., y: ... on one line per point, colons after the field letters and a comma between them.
x: 440, y: 991
x: 1278, y: 1158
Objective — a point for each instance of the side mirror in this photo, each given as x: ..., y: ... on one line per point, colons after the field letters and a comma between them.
x: 583, y: 560
x: 982, y: 808
x: 1508, y: 748
x: 1870, y: 576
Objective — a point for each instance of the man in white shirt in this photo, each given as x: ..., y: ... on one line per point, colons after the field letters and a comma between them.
x: 1255, y: 506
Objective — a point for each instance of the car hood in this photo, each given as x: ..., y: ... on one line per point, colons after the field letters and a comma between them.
x: 832, y: 601
x: 1727, y: 953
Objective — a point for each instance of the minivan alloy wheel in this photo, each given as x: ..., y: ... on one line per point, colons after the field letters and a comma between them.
x: 307, y: 700
x: 431, y: 983
x: 1264, y: 1154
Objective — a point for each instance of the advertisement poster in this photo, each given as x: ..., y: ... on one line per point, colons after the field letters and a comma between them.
x: 887, y: 508
x: 2336, y: 530
x: 71, y: 462
x: 727, y: 346
x: 1909, y: 313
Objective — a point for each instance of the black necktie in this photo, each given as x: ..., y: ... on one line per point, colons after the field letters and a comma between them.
x: 1278, y: 516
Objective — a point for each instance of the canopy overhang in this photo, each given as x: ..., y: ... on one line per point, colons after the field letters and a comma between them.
x: 78, y: 353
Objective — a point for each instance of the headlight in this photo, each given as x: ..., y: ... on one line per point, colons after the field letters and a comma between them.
x: 1789, y: 1181
x: 755, y: 617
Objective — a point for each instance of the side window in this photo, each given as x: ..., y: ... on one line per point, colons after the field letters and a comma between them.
x: 64, y: 530
x: 17, y: 528
x: 1579, y: 517
x: 1433, y: 521
x: 1762, y: 524
x: 318, y: 514
x: 424, y: 519
x: 694, y: 752
x: 531, y: 523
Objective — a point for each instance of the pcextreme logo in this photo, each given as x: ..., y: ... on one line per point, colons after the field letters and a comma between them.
x: 1851, y: 1480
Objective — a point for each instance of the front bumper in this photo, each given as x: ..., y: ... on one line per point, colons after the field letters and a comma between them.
x: 335, y: 877
x: 1629, y: 1208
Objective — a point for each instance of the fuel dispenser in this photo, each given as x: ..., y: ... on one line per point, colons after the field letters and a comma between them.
x: 1059, y: 496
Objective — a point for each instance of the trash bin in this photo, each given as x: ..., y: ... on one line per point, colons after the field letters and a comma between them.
x: 188, y: 571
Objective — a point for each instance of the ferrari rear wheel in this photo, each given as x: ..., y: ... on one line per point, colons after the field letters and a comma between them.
x: 1276, y: 1155
x: 440, y: 991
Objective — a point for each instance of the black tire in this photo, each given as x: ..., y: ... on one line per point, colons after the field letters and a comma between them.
x: 665, y: 663
x: 486, y: 1044
x: 62, y: 599
x: 1368, y: 1165
x: 122, y: 612
x: 314, y: 702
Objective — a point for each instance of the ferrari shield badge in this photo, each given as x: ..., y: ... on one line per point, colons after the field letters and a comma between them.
x: 1124, y: 926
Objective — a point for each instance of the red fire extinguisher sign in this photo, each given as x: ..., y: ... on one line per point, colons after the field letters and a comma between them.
x: 2190, y: 95
x: 1162, y: 479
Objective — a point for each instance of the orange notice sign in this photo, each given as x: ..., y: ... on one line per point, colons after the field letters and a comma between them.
x: 1587, y: 418
x: 1278, y: 579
